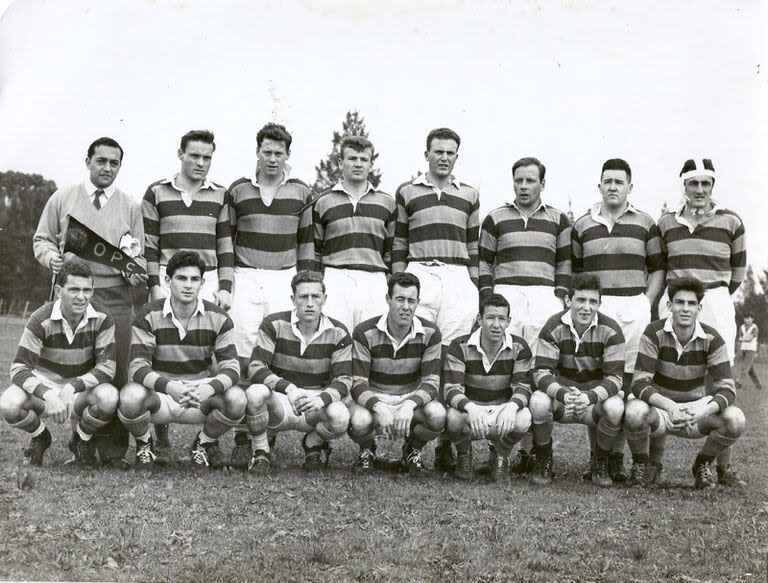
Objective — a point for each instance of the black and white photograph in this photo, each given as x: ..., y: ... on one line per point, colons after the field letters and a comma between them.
x: 416, y: 290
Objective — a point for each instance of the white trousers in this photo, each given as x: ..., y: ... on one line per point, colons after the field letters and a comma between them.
x: 633, y: 313
x: 207, y: 292
x: 354, y: 295
x: 448, y: 298
x: 717, y: 310
x: 530, y: 308
x: 257, y: 293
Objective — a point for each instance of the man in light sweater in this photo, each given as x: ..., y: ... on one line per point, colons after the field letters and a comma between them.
x: 115, y: 217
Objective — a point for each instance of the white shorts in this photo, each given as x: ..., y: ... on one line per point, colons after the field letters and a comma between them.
x: 688, y: 431
x: 448, y: 297
x: 207, y: 292
x: 394, y: 402
x: 354, y: 295
x: 717, y: 310
x: 530, y: 308
x: 633, y: 313
x: 257, y: 293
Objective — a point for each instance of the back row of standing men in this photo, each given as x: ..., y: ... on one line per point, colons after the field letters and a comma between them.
x: 254, y: 236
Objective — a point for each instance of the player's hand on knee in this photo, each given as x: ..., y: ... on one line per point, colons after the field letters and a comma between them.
x: 403, y: 418
x: 680, y: 416
x: 505, y: 420
x: 309, y: 403
x: 478, y: 426
x: 580, y: 404
x: 178, y: 392
x: 55, y: 407
x: 384, y: 419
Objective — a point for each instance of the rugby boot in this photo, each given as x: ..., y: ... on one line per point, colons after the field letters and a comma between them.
x: 542, y: 471
x: 85, y: 451
x: 445, y: 459
x: 463, y: 469
x: 242, y: 451
x: 37, y: 446
x: 260, y: 462
x: 365, y: 460
x: 499, y: 468
x: 412, y: 460
x: 524, y: 463
x: 702, y: 472
x: 600, y: 475
x: 637, y: 474
x: 145, y: 454
x: 315, y: 458
x: 727, y: 477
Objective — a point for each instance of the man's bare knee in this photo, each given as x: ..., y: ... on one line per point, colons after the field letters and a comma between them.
x: 735, y: 421
x: 235, y: 402
x: 132, y: 398
x: 257, y: 396
x: 523, y: 420
x: 106, y: 398
x: 540, y: 406
x: 338, y: 417
x: 636, y: 414
x: 12, y: 402
x: 434, y: 415
x: 613, y: 410
x: 455, y: 421
x: 360, y: 421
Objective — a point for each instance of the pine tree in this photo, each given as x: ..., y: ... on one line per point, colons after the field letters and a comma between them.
x: 569, y: 212
x: 328, y: 172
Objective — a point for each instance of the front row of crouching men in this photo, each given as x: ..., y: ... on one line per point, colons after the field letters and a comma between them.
x: 306, y: 374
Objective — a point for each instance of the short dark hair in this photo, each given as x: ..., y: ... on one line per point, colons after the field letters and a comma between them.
x: 276, y: 132
x: 582, y: 281
x: 443, y: 134
x: 357, y: 143
x: 403, y: 279
x: 305, y: 276
x: 205, y: 136
x: 688, y: 284
x: 530, y: 161
x: 496, y: 301
x: 184, y: 258
x: 109, y: 142
x: 73, y: 267
x: 617, y: 164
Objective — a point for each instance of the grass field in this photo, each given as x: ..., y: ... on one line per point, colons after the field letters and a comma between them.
x: 186, y: 525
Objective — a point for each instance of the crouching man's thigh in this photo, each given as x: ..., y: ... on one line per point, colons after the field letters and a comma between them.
x: 432, y: 414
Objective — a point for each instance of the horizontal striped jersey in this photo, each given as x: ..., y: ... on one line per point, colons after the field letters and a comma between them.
x: 469, y: 377
x: 442, y: 226
x: 170, y: 226
x: 275, y: 236
x: 520, y: 250
x: 411, y: 366
x: 678, y: 372
x: 714, y: 251
x: 49, y: 348
x: 621, y: 255
x: 281, y: 357
x: 597, y: 356
x: 163, y: 351
x: 354, y: 236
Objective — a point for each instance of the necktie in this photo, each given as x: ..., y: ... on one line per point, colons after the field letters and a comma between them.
x: 97, y: 198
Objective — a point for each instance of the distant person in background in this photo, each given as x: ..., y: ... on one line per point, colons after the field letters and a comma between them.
x: 115, y: 217
x: 748, y: 333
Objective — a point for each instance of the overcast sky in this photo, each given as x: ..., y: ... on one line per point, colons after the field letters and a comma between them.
x: 571, y: 82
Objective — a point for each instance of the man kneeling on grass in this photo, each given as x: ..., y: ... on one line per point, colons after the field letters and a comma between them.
x: 63, y: 369
x: 487, y: 386
x: 301, y: 370
x: 578, y: 374
x: 396, y: 375
x: 174, y: 343
x: 675, y: 356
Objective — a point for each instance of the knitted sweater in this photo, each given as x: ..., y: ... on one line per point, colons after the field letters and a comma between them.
x: 119, y: 216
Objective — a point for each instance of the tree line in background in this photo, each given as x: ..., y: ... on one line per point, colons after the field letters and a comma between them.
x: 23, y: 196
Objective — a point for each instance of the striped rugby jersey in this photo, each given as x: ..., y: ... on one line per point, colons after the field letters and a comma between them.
x: 520, y: 250
x: 714, y: 251
x: 621, y: 256
x: 162, y: 350
x: 677, y: 372
x: 413, y: 366
x: 351, y: 235
x: 275, y: 236
x: 468, y: 376
x: 282, y: 357
x: 597, y: 356
x: 170, y: 226
x: 84, y: 357
x: 442, y: 226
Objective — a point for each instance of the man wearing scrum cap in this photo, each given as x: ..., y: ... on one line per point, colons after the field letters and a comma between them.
x: 706, y: 242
